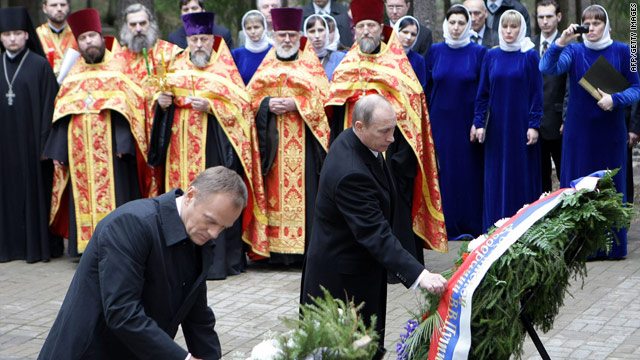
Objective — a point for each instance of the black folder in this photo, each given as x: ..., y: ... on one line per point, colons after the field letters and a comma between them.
x: 602, y: 75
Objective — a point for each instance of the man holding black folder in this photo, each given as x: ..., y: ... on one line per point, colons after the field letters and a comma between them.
x: 595, y: 134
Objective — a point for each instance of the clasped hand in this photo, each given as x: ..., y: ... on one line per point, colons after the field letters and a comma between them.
x: 281, y: 106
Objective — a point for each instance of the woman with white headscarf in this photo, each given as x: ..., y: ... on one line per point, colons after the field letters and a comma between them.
x: 453, y: 73
x: 595, y: 135
x: 510, y: 90
x: 334, y: 34
x: 250, y: 56
x: 316, y: 30
x: 408, y: 29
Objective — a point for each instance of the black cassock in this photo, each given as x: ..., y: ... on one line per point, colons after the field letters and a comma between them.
x: 229, y: 258
x: 26, y: 180
x: 125, y: 173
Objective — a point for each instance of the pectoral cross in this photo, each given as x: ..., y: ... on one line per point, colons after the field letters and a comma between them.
x: 10, y: 95
x: 88, y: 101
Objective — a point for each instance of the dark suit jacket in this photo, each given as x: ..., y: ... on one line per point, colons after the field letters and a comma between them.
x: 488, y: 38
x: 424, y: 41
x: 553, y: 92
x: 179, y: 37
x: 352, y: 246
x: 139, y: 278
x: 339, y: 12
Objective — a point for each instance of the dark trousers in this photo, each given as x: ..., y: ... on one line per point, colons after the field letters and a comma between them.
x: 549, y: 149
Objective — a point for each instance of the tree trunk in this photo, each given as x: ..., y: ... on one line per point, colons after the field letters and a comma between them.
x: 425, y: 11
x: 564, y: 8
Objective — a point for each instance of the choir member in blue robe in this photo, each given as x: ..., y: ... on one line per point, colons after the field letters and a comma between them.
x: 595, y: 134
x: 316, y: 30
x: 453, y: 73
x: 511, y: 90
x: 408, y: 29
x: 249, y: 57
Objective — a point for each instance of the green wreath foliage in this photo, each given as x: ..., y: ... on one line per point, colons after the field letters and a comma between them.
x: 534, y: 274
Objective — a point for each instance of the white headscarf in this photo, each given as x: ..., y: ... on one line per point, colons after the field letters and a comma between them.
x: 336, y: 34
x: 522, y: 43
x: 396, y: 29
x: 605, y: 40
x: 320, y: 52
x: 260, y: 45
x: 465, y: 37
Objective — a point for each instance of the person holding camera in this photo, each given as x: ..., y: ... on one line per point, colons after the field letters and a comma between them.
x: 595, y: 135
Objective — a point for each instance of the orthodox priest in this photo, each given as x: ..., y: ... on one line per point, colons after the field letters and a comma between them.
x: 28, y: 89
x: 206, y: 120
x: 378, y: 64
x: 55, y: 35
x: 97, y: 125
x: 144, y: 54
x: 287, y: 93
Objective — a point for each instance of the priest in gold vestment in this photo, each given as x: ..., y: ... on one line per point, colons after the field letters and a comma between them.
x: 378, y: 64
x: 139, y: 35
x: 287, y: 93
x: 204, y: 119
x: 55, y: 35
x: 96, y: 129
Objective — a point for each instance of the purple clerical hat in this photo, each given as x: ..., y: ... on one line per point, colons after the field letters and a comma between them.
x: 287, y: 19
x: 198, y: 23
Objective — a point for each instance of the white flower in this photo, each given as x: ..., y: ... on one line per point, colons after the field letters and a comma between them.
x: 476, y: 242
x: 266, y: 350
x: 501, y: 222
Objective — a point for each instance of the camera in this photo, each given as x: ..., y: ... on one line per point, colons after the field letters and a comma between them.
x: 582, y: 29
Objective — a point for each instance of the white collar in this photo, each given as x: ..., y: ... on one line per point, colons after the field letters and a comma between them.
x: 497, y: 2
x: 179, y: 204
x: 11, y: 57
x: 481, y: 32
x: 326, y: 8
x: 549, y: 39
x: 57, y: 30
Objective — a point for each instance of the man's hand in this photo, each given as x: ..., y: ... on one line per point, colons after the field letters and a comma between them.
x: 281, y: 106
x: 633, y: 139
x: 532, y: 136
x: 59, y: 163
x: 434, y: 283
x: 199, y: 104
x: 606, y: 103
x: 165, y: 99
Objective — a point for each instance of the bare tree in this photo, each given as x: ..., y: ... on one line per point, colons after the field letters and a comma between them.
x: 425, y: 11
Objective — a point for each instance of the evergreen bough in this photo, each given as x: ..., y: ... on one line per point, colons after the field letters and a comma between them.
x: 533, y: 275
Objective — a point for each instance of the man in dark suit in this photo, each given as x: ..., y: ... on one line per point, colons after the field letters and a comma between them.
x: 478, y: 12
x: 143, y: 274
x: 335, y: 9
x: 554, y: 88
x: 497, y: 8
x: 352, y: 246
x: 396, y: 9
x: 179, y: 37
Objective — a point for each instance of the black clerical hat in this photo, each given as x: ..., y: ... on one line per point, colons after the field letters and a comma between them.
x: 17, y: 18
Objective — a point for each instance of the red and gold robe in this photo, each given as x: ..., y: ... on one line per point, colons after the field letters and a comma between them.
x: 89, y: 93
x: 136, y: 69
x: 305, y: 81
x: 221, y: 84
x: 390, y: 74
x: 55, y: 45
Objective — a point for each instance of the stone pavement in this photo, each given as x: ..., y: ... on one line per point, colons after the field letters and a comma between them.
x: 600, y: 321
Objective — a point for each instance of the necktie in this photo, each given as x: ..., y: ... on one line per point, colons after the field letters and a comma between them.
x: 380, y: 161
x: 545, y: 46
x: 476, y: 39
x: 493, y: 7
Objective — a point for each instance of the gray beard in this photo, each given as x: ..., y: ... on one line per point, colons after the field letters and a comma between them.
x: 200, y: 58
x: 138, y: 42
x: 367, y: 45
x: 285, y: 54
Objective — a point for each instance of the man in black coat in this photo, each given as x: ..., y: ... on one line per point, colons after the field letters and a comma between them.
x: 479, y: 12
x: 352, y: 246
x: 144, y: 273
x: 396, y: 9
x: 554, y: 88
x: 179, y: 36
x: 337, y: 11
x: 497, y: 8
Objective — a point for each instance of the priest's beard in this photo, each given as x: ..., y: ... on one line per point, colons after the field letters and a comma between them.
x: 368, y: 43
x: 287, y: 53
x: 200, y: 58
x: 137, y: 42
x: 93, y: 54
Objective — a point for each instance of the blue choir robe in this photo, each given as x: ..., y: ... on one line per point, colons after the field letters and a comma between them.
x: 247, y: 61
x: 335, y: 57
x: 452, y: 77
x: 594, y: 139
x: 418, y: 64
x: 511, y: 89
